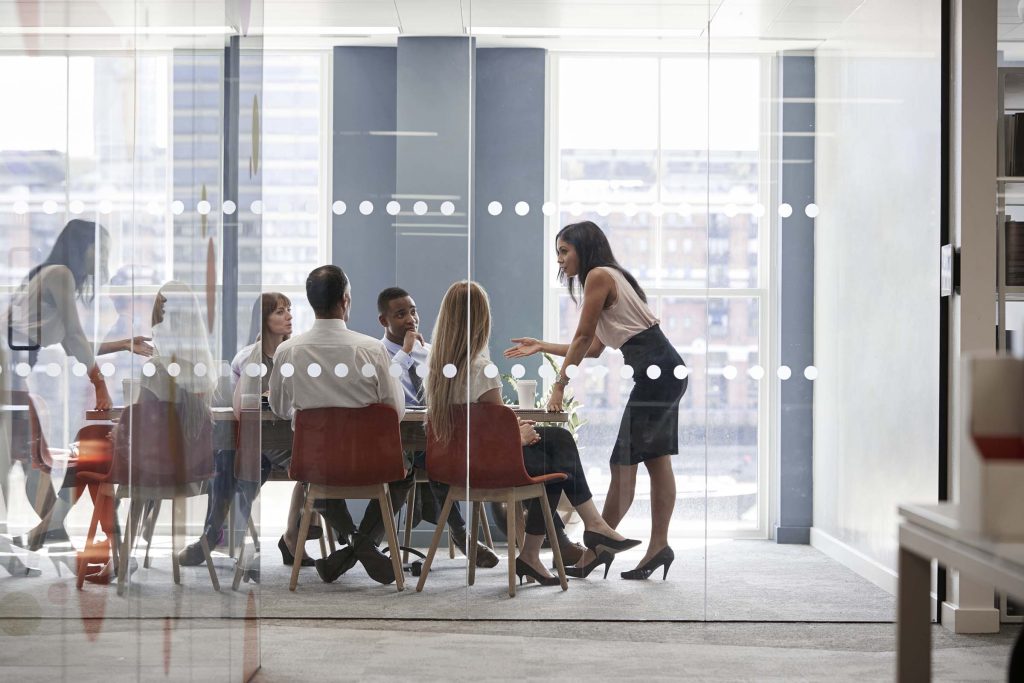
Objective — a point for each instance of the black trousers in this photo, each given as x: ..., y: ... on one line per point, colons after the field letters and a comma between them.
x: 555, y: 452
x: 371, y: 527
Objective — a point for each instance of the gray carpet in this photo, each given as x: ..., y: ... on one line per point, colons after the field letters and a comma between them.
x: 731, y: 580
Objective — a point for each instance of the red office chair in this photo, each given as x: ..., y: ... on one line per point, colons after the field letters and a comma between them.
x: 348, y: 453
x: 496, y: 473
x: 156, y: 459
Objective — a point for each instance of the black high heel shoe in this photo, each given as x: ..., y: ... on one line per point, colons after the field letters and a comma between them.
x: 523, y: 569
x: 664, y: 557
x: 604, y: 557
x: 288, y: 558
x: 595, y: 541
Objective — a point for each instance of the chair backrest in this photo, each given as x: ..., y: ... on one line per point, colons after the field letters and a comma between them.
x: 153, y: 448
x: 347, y: 446
x: 495, y: 450
x: 95, y: 449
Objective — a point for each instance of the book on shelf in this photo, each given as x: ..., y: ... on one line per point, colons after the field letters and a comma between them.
x: 1014, y: 253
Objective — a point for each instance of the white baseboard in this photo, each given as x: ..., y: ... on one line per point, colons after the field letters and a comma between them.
x: 867, y: 567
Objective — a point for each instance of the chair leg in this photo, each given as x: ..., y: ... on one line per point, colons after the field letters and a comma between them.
x: 126, y: 545
x: 410, y: 505
x: 90, y: 538
x: 474, y: 516
x: 392, y: 534
x: 488, y: 541
x: 209, y: 562
x: 511, y: 513
x: 549, y: 522
x: 240, y: 566
x: 150, y: 527
x: 255, y: 535
x: 177, y: 521
x: 231, y: 528
x: 442, y: 520
x: 331, y: 543
x: 300, y: 544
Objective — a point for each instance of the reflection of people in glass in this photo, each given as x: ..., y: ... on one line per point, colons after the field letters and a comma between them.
x: 545, y: 449
x: 615, y: 313
x: 43, y: 312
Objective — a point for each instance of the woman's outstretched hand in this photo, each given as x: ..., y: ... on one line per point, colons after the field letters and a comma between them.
x: 138, y: 345
x: 524, y: 346
x: 555, y: 401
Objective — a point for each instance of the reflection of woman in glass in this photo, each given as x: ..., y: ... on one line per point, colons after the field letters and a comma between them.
x: 43, y: 312
x: 615, y: 314
x: 545, y: 449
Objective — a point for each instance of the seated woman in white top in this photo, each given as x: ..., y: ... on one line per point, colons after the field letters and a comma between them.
x: 545, y: 449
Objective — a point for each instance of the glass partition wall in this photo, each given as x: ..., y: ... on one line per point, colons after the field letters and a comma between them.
x: 130, y: 208
x: 728, y: 153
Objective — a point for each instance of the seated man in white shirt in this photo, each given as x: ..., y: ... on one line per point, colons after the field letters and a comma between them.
x: 329, y: 345
x: 409, y: 350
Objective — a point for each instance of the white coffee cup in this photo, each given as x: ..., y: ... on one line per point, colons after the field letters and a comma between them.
x: 131, y: 389
x: 527, y: 390
x: 250, y: 401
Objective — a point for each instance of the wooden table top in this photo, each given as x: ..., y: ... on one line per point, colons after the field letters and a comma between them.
x: 411, y: 416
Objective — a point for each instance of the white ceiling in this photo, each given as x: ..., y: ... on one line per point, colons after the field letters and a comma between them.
x: 667, y: 24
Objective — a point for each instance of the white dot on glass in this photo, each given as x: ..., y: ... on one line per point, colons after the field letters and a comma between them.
x: 784, y: 372
x: 811, y: 372
x: 756, y: 372
x: 785, y: 210
x: 107, y: 369
x: 173, y: 369
x: 338, y: 207
x: 518, y: 370
x: 200, y: 369
x: 393, y: 208
x: 653, y: 371
x: 256, y: 207
x: 629, y: 210
x: 52, y: 369
x: 811, y: 210
x: 681, y: 371
x: 313, y: 369
x: 76, y: 206
x: 447, y: 208
x: 494, y: 208
x: 178, y: 207
x: 287, y: 369
x: 264, y: 369
x: 105, y: 206
x: 576, y: 208
x: 491, y: 371
x: 603, y: 209
x: 395, y: 370
x: 547, y: 208
x: 419, y: 208
x: 20, y: 207
x: 626, y: 371
x: 252, y: 370
x: 729, y: 372
x: 685, y: 209
x: 422, y: 370
x: 730, y: 210
x: 203, y: 207
x: 229, y: 207
x: 49, y: 207
x: 225, y: 369
x: 341, y: 370
x: 758, y: 210
x: 449, y: 370
x: 522, y: 208
x: 22, y: 369
x: 366, y: 207
x: 148, y: 369
x: 658, y: 210
x: 368, y: 370
x: 545, y: 372
x: 572, y: 370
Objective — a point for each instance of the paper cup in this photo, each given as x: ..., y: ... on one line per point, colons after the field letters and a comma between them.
x: 527, y: 390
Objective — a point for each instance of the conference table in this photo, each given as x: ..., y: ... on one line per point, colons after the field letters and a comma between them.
x: 277, y: 433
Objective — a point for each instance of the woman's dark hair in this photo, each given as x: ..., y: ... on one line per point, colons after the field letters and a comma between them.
x: 70, y: 250
x: 592, y: 251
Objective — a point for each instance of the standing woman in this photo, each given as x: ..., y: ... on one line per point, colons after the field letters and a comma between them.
x: 615, y: 314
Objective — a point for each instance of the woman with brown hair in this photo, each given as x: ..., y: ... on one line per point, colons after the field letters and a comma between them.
x: 460, y: 339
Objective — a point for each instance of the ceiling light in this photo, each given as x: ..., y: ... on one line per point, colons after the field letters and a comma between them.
x: 327, y: 30
x: 116, y: 30
x: 556, y: 32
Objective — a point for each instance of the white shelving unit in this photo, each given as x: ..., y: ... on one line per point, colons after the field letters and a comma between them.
x: 1009, y: 194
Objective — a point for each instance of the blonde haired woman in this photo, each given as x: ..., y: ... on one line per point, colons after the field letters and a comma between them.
x: 545, y: 449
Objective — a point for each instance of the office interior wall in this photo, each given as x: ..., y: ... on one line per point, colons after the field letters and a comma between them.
x: 876, y: 280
